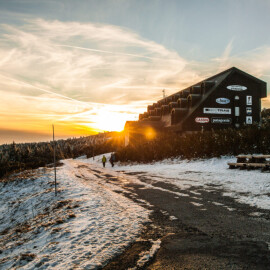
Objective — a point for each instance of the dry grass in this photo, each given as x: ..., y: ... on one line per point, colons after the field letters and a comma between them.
x: 27, y: 256
x: 72, y: 215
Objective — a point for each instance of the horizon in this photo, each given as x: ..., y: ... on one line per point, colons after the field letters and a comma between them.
x: 44, y: 138
x: 92, y: 66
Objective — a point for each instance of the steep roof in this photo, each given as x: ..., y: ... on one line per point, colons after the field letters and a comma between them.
x: 222, y: 75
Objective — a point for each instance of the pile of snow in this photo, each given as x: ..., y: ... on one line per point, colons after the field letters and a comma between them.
x: 146, y: 256
x: 250, y: 187
x: 83, y: 227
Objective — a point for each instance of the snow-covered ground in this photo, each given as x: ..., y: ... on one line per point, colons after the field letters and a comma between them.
x: 250, y: 187
x: 90, y: 221
x: 83, y: 227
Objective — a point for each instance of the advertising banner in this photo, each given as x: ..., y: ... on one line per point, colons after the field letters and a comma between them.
x: 217, y: 110
x: 249, y: 110
x: 220, y: 120
x: 236, y: 87
x: 222, y: 100
x: 202, y: 120
x: 249, y: 100
x: 249, y: 120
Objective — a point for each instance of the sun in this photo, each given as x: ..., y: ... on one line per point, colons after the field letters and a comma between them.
x: 109, y: 117
x: 111, y: 121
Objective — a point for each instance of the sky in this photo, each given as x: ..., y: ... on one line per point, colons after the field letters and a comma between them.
x: 89, y: 66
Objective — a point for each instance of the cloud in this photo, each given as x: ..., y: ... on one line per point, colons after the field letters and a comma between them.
x: 223, y: 60
x: 58, y: 69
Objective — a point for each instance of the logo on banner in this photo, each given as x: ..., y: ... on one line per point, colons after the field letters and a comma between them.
x: 202, y: 120
x: 217, y: 110
x: 249, y: 100
x: 236, y: 87
x: 220, y: 120
x: 249, y: 120
x: 249, y: 110
x: 222, y: 100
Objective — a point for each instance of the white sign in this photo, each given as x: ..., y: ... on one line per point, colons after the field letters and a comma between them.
x: 249, y: 100
x: 202, y: 120
x: 249, y: 110
x: 222, y: 100
x: 249, y: 120
x: 236, y: 87
x: 220, y: 120
x: 217, y: 110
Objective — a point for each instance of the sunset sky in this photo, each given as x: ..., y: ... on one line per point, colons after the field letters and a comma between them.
x: 88, y: 66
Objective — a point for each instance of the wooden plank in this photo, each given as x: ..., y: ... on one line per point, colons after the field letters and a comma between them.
x: 259, y: 165
x: 237, y: 164
x: 262, y: 156
x: 253, y: 156
x: 244, y: 156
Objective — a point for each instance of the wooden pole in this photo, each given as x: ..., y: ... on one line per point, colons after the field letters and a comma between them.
x: 94, y: 142
x: 54, y: 163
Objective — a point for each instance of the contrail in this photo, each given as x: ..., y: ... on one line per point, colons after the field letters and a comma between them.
x: 47, y: 91
x: 59, y: 95
x: 116, y: 53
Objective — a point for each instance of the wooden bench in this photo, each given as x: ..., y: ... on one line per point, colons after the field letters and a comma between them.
x: 237, y: 165
x: 253, y: 158
x: 243, y: 158
x: 250, y: 162
x: 262, y: 156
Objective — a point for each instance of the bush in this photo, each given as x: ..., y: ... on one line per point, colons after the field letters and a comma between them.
x: 248, y: 140
x: 18, y: 157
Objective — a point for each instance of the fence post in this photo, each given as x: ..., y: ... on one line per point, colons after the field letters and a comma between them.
x: 54, y: 163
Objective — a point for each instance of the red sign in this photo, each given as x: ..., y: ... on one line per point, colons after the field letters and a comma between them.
x: 202, y: 120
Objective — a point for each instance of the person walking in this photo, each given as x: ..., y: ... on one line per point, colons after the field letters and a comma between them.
x: 104, y: 161
x: 112, y: 159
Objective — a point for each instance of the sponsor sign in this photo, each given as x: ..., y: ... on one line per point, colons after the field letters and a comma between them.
x: 202, y: 120
x: 249, y: 100
x: 222, y: 100
x: 249, y: 120
x: 236, y: 87
x: 249, y: 110
x: 217, y: 110
x: 221, y: 120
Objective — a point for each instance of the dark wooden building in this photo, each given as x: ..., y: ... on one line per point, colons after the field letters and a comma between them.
x: 231, y: 98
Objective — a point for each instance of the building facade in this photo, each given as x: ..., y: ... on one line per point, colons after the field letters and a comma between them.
x: 231, y: 98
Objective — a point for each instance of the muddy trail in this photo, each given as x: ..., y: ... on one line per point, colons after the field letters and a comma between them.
x: 198, y: 229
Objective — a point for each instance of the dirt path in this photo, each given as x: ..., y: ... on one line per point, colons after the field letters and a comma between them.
x: 198, y: 229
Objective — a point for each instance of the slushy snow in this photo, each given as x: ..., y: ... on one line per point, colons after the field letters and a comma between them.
x: 91, y: 221
x: 84, y: 226
x: 249, y: 187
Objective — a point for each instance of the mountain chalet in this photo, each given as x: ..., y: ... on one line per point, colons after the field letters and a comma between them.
x: 231, y: 98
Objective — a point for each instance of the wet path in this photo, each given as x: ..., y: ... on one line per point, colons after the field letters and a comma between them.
x: 199, y: 229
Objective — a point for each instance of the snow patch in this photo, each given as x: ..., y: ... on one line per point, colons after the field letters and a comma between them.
x: 197, y: 204
x: 145, y: 256
x: 217, y: 203
x: 83, y: 227
x: 250, y: 187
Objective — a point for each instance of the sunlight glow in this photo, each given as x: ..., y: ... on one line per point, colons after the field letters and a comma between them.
x: 109, y: 120
x: 150, y: 133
